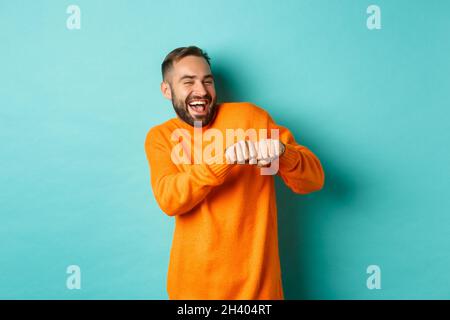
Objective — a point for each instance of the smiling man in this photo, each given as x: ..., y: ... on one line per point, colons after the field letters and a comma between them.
x: 225, y: 243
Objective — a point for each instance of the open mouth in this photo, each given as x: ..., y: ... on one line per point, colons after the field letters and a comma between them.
x: 198, y: 107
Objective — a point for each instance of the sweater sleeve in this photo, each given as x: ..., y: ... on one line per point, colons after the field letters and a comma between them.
x: 175, y: 191
x: 299, y: 167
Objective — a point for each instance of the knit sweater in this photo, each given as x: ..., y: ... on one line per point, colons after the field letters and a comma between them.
x: 225, y: 242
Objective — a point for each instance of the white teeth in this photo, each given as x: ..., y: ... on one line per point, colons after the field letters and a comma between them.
x: 196, y: 103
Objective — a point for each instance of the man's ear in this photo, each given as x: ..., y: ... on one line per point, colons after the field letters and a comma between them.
x: 166, y: 91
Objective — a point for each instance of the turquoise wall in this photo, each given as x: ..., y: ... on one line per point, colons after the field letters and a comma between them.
x: 75, y: 106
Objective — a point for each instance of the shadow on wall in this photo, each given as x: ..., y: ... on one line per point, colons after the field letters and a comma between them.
x: 295, y: 212
x: 298, y: 215
x: 227, y: 84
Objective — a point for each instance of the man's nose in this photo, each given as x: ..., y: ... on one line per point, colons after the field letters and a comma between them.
x: 199, y: 89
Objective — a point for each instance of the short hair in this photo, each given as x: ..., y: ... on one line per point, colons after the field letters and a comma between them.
x: 179, y: 53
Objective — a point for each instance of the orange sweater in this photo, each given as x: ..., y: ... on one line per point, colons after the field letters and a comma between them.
x: 225, y: 243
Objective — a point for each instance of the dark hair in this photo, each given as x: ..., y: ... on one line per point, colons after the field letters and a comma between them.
x: 179, y: 53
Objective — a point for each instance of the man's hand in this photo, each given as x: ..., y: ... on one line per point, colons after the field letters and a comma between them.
x: 268, y: 151
x: 261, y: 152
x: 243, y: 151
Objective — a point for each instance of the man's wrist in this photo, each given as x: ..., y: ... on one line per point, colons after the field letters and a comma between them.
x: 282, y: 148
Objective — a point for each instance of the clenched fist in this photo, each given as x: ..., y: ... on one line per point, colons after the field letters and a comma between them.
x: 261, y: 152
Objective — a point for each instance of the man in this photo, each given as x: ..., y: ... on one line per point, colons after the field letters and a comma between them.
x: 225, y: 243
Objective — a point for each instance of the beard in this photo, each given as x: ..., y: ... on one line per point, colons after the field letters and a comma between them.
x: 182, y: 109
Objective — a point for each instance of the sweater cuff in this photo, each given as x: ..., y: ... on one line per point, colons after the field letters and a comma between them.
x: 289, y: 158
x: 220, y: 169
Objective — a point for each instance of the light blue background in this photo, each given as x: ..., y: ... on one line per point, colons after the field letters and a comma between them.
x: 75, y: 107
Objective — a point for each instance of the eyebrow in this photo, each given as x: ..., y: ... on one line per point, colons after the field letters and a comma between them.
x: 193, y: 77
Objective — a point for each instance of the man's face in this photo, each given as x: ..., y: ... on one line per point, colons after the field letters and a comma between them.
x: 190, y: 86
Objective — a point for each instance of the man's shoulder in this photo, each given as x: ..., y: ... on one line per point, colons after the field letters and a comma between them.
x: 244, y: 108
x: 162, y: 126
x: 159, y: 130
